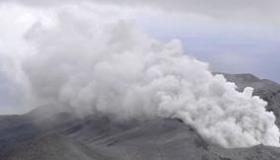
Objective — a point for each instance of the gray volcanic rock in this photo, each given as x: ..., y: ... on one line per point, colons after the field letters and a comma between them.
x: 63, y: 136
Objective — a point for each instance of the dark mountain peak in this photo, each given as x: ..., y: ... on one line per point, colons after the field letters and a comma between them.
x: 244, y: 77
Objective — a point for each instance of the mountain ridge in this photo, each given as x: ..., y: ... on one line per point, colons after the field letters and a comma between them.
x: 63, y: 136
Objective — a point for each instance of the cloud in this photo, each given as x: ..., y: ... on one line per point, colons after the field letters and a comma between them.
x: 256, y: 11
x: 95, y: 63
x: 92, y: 61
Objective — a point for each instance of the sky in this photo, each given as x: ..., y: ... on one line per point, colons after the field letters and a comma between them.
x: 234, y: 36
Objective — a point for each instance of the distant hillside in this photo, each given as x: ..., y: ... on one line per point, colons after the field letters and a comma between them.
x: 266, y: 89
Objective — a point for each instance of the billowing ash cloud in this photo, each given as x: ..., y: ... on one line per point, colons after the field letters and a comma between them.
x: 111, y: 67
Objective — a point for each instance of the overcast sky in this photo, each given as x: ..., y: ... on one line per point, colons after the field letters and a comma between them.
x: 232, y: 35
x: 235, y: 36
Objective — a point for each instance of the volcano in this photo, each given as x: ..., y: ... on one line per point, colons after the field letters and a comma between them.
x: 65, y: 136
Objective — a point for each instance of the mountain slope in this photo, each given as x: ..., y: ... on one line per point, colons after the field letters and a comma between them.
x: 266, y: 89
x: 63, y: 136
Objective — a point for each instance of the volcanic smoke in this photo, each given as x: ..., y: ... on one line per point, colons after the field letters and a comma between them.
x: 114, y: 68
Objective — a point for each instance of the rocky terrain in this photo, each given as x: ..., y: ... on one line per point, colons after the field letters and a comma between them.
x: 63, y: 136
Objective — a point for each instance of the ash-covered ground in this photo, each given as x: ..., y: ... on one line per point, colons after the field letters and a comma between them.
x: 64, y: 136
